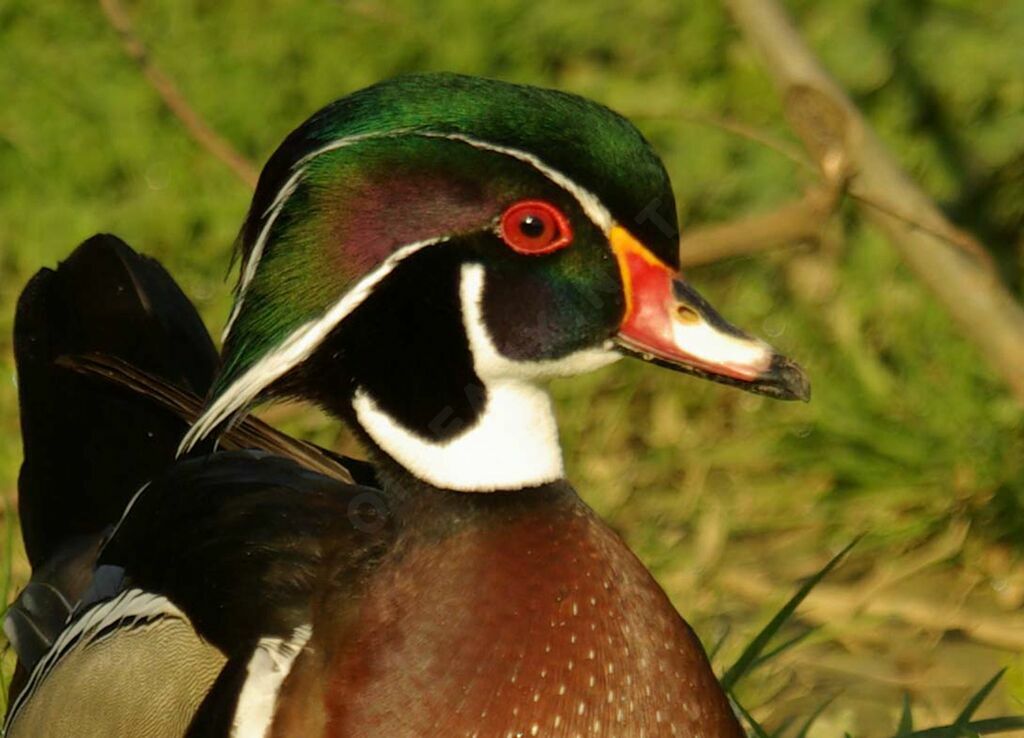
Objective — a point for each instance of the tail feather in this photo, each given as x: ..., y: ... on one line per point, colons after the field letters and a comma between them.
x: 112, y: 363
x: 89, y: 446
x: 247, y: 433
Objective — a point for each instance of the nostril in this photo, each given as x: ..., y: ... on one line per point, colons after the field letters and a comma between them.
x: 686, y: 314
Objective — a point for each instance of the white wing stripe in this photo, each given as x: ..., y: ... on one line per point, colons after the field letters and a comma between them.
x: 269, y: 666
x: 95, y: 625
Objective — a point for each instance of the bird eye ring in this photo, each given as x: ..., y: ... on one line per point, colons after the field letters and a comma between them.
x: 535, y: 227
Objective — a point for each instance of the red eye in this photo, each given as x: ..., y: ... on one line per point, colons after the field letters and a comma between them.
x: 535, y: 227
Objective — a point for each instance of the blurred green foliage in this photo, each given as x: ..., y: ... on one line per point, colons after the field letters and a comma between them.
x: 908, y: 428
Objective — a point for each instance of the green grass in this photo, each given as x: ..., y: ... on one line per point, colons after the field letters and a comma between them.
x: 762, y: 649
x: 909, y: 432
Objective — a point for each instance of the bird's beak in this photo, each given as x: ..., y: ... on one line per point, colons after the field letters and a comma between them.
x: 668, y: 323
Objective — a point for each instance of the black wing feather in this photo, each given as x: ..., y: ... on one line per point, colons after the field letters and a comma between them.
x: 89, y: 447
x: 242, y: 540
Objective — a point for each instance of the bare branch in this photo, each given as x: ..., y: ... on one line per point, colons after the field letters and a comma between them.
x: 733, y: 127
x: 837, y: 136
x: 172, y: 97
x: 794, y: 222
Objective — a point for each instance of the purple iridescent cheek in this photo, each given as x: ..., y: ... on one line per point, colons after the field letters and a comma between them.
x: 370, y: 220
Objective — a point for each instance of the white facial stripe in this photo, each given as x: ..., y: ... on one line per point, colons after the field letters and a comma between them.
x: 295, y: 349
x: 488, y: 361
x: 249, y: 268
x: 587, y: 200
x: 709, y: 344
x: 269, y: 666
x: 340, y: 143
x: 299, y: 171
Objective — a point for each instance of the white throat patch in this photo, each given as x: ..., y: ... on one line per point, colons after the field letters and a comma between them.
x: 514, y: 440
x: 513, y: 444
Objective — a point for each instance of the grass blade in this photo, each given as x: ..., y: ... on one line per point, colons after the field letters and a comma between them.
x: 978, y: 727
x: 906, y: 726
x: 746, y: 661
x: 964, y: 718
x: 7, y: 566
x: 713, y: 652
x: 813, y: 717
x: 782, y: 647
x: 6, y: 584
x: 759, y: 732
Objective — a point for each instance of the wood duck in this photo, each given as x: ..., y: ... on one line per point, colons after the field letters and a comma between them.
x: 418, y: 258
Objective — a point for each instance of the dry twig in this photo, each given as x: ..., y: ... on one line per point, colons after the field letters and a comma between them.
x: 204, y: 135
x: 837, y: 136
x: 794, y: 222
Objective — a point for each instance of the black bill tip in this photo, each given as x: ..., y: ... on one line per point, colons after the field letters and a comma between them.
x: 784, y: 380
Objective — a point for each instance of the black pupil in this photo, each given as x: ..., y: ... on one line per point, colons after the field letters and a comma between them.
x: 531, y: 226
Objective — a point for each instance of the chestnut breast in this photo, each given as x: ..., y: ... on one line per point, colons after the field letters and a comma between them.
x: 539, y: 623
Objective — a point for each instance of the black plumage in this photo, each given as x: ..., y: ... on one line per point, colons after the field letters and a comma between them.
x: 104, y: 298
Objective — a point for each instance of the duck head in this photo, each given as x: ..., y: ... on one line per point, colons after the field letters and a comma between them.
x: 420, y: 254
